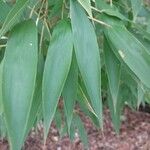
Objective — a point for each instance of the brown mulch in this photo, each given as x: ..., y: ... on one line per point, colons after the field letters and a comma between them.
x: 134, y: 135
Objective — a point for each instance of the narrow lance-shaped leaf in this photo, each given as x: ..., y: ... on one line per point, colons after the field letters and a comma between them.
x: 13, y: 15
x: 81, y: 130
x: 88, y: 57
x: 84, y: 98
x: 37, y: 98
x: 116, y: 114
x: 19, y: 75
x: 72, y: 132
x: 70, y: 91
x: 140, y: 96
x: 86, y: 107
x: 113, y: 68
x: 4, y: 10
x: 58, y: 120
x: 109, y: 10
x: 57, y: 66
x: 86, y: 4
x: 130, y: 51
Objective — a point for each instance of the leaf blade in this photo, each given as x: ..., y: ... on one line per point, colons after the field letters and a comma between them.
x: 70, y: 91
x: 87, y: 54
x: 86, y: 4
x: 12, y: 16
x: 19, y: 75
x: 56, y: 69
x: 113, y: 69
x: 133, y: 54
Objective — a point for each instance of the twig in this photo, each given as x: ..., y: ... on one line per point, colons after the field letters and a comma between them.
x: 111, y: 3
x: 32, y: 9
x: 46, y: 25
x: 38, y: 18
x: 41, y: 38
x: 100, y: 22
x: 63, y: 8
x: 100, y: 11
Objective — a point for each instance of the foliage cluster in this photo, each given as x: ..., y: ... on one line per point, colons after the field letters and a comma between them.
x: 85, y: 53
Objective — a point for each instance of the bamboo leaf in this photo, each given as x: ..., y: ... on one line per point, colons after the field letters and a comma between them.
x: 109, y: 10
x: 140, y: 96
x: 4, y: 10
x: 19, y: 74
x: 86, y: 4
x: 58, y: 120
x: 37, y: 98
x: 87, y: 54
x: 57, y: 67
x: 116, y: 114
x: 13, y: 15
x: 88, y: 57
x: 131, y: 51
x: 1, y: 79
x: 86, y: 107
x: 113, y: 68
x: 70, y: 91
x: 136, y: 7
x: 81, y: 130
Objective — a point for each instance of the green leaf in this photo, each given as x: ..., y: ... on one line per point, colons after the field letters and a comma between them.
x: 13, y: 15
x: 56, y: 7
x: 19, y: 74
x: 129, y: 87
x: 86, y: 4
x: 81, y: 131
x: 113, y: 68
x: 37, y: 98
x: 1, y: 80
x: 131, y: 51
x: 3, y: 130
x: 84, y: 100
x: 37, y: 102
x: 72, y: 131
x: 4, y: 10
x: 136, y: 6
x: 142, y: 32
x: 109, y: 10
x: 86, y: 107
x: 88, y: 57
x: 141, y: 92
x: 116, y: 114
x: 57, y: 67
x: 70, y: 91
x: 58, y: 120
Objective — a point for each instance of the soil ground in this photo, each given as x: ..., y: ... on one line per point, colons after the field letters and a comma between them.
x: 134, y: 135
